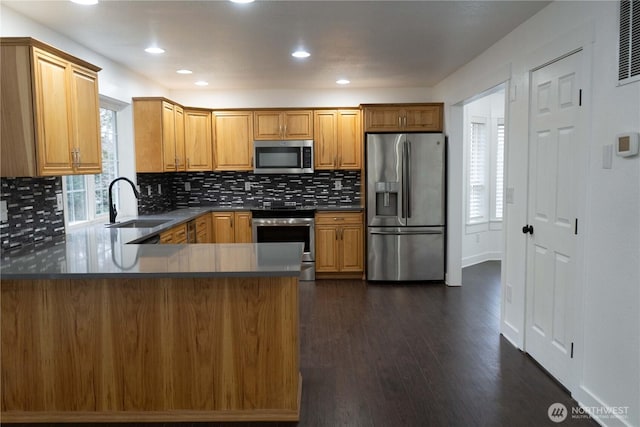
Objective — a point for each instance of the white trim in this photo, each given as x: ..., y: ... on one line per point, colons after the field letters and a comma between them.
x: 483, y: 257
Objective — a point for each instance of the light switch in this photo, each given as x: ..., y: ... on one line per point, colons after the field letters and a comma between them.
x: 247, y: 186
x: 509, y: 195
x: 59, y: 202
x: 159, y: 188
x: 607, y: 156
x: 187, y: 186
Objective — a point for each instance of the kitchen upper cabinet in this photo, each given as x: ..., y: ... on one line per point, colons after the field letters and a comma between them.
x: 233, y: 144
x: 339, y: 243
x: 231, y: 227
x: 159, y: 135
x: 403, y: 117
x: 337, y: 139
x: 278, y: 124
x: 198, y: 141
x: 50, y: 117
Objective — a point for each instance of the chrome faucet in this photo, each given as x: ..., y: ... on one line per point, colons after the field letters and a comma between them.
x: 112, y: 207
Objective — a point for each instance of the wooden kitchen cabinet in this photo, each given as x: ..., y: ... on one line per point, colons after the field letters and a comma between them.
x: 198, y: 141
x: 339, y: 244
x: 231, y: 227
x: 175, y: 235
x: 403, y: 117
x: 337, y: 139
x: 203, y: 229
x: 280, y: 124
x: 158, y: 126
x: 233, y: 143
x: 50, y: 117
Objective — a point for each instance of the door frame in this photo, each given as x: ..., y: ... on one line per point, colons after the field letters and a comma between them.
x: 577, y: 40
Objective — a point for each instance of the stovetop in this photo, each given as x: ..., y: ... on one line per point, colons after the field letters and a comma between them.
x: 282, y: 209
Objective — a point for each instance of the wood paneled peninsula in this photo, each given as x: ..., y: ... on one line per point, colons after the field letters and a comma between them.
x: 96, y: 330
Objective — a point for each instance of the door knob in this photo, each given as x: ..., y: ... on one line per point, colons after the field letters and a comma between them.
x: 527, y: 229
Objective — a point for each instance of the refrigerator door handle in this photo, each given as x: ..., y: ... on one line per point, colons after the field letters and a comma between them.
x: 404, y: 179
x: 401, y: 233
x: 409, y: 193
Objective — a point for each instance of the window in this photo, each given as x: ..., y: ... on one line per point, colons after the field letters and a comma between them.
x: 87, y: 196
x: 485, y: 173
x: 477, y: 209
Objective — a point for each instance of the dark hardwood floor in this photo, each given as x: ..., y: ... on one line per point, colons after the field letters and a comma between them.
x: 416, y: 355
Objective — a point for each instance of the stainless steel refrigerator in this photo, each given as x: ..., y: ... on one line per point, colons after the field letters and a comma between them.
x: 406, y: 221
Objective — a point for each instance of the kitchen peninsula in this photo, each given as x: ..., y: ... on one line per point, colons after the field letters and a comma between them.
x: 95, y: 329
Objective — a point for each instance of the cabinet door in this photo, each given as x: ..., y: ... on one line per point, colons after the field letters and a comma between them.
x: 178, y: 118
x: 232, y: 140
x: 325, y: 139
x: 222, y: 225
x: 53, y: 116
x: 382, y: 119
x: 180, y: 234
x: 242, y: 227
x: 349, y: 145
x: 426, y: 118
x: 148, y: 134
x: 85, y: 111
x: 166, y: 237
x: 169, y: 137
x: 198, y: 143
x: 298, y: 124
x: 352, y: 248
x: 327, y: 249
x: 267, y: 125
x: 203, y: 229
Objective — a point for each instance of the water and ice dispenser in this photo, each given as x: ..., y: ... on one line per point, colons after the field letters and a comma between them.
x: 387, y: 198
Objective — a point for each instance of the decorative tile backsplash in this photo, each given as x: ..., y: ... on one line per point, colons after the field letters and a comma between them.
x: 33, y: 216
x: 229, y: 189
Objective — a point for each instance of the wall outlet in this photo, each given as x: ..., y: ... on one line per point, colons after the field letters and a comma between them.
x: 337, y: 184
x: 148, y: 190
x: 187, y: 186
x: 59, y: 202
x: 247, y: 186
x: 159, y: 188
x: 4, y: 212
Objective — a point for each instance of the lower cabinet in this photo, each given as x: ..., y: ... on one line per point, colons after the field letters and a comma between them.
x: 339, y: 244
x: 203, y: 229
x: 175, y: 235
x: 231, y: 227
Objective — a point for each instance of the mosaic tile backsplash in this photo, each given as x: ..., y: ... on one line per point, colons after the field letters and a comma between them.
x: 32, y: 211
x: 229, y: 189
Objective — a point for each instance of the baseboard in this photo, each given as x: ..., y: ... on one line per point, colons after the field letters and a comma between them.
x: 483, y: 257
x: 587, y: 400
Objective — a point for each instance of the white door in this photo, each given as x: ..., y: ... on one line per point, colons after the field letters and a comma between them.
x: 553, y: 146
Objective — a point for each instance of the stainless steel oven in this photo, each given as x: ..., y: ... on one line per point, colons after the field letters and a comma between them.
x: 270, y: 225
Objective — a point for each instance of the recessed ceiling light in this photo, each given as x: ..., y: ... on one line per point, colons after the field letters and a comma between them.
x: 154, y: 50
x: 343, y: 82
x: 85, y: 2
x: 241, y: 1
x: 201, y: 83
x: 301, y: 54
x: 183, y: 71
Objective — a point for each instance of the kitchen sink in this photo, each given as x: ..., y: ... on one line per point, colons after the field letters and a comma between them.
x: 139, y: 223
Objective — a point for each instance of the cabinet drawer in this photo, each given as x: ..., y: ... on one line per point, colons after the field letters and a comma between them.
x: 180, y: 234
x: 339, y: 218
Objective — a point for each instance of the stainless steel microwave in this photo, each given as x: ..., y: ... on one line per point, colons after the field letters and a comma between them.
x: 283, y: 156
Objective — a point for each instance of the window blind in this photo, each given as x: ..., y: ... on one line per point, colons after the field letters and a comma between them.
x: 499, y: 184
x: 477, y: 209
x: 629, y: 41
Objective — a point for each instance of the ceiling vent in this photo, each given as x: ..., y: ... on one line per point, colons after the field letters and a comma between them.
x: 629, y: 49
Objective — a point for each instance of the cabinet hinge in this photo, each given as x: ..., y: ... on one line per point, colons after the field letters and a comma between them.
x: 572, y: 350
x: 580, y: 98
x: 575, y: 229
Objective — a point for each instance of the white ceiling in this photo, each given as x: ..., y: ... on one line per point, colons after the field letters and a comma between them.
x: 234, y: 46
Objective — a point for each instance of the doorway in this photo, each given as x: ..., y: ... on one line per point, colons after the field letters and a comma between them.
x: 483, y: 176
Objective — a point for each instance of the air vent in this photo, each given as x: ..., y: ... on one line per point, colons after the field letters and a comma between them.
x: 629, y: 50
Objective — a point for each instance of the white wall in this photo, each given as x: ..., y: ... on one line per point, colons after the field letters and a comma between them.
x: 607, y: 353
x: 114, y: 81
x: 481, y: 242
